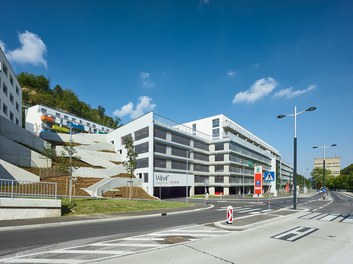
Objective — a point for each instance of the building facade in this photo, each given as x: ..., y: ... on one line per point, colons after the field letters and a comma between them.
x: 10, y: 93
x: 214, y: 155
x: 41, y: 118
x: 332, y: 164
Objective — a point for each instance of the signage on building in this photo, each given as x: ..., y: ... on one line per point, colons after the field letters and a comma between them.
x: 258, y: 179
x: 165, y: 179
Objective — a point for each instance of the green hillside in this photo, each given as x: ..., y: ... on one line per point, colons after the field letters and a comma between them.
x: 36, y: 90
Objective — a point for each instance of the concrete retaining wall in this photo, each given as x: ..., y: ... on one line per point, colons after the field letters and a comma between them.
x: 11, y: 172
x: 19, y: 208
x: 80, y: 138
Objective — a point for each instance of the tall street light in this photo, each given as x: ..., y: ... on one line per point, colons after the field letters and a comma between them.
x: 295, y: 149
x: 323, y: 161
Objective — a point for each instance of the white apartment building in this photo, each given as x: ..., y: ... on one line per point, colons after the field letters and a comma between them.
x: 41, y: 118
x: 333, y: 164
x: 210, y: 154
x: 10, y: 92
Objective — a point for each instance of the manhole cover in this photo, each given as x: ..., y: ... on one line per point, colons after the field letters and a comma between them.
x: 175, y: 239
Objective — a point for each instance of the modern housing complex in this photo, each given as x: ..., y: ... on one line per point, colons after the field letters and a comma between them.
x: 10, y: 94
x: 41, y: 118
x: 333, y: 164
x: 213, y: 154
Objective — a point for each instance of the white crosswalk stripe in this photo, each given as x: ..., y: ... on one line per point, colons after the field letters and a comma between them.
x: 243, y: 210
x: 121, y: 246
x: 329, y: 217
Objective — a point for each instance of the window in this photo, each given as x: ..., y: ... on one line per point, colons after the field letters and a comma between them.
x: 141, y: 148
x: 179, y: 152
x: 160, y: 133
x: 199, y: 156
x: 17, y: 122
x: 145, y: 177
x: 193, y: 129
x: 160, y: 148
x: 219, y: 157
x: 73, y: 119
x: 215, y: 133
x: 11, y: 98
x: 11, y: 116
x: 88, y: 124
x: 57, y: 115
x: 160, y: 163
x: 5, y: 68
x: 199, y: 167
x: 215, y: 123
x: 219, y: 146
x: 11, y: 80
x: 44, y: 111
x: 180, y: 140
x: 218, y: 179
x: 200, y: 145
x: 179, y: 165
x: 142, y: 133
x: 142, y: 163
x: 17, y: 90
x: 17, y: 107
x: 4, y: 88
x: 4, y: 108
x: 219, y: 168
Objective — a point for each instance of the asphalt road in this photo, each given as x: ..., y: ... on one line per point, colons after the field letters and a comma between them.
x: 33, y: 239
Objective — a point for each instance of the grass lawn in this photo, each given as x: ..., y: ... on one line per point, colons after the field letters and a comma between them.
x: 107, y: 206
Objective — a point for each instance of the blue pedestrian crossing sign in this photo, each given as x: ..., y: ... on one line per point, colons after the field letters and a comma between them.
x: 269, y: 176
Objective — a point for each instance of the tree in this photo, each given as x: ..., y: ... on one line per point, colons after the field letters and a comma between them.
x: 131, y: 163
x: 49, y: 154
x: 317, y: 174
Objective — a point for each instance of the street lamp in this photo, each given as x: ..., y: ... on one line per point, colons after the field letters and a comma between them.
x: 187, y: 177
x: 295, y: 149
x: 323, y: 161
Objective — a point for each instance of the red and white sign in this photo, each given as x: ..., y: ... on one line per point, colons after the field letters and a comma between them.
x: 258, y: 180
x: 229, y: 215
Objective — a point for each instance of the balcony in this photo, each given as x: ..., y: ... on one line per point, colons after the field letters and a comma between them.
x: 48, y: 119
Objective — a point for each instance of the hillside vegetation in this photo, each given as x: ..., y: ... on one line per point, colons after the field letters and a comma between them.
x: 36, y: 90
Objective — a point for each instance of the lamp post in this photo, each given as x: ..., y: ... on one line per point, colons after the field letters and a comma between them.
x: 323, y: 160
x: 70, y: 156
x: 243, y: 176
x: 295, y: 149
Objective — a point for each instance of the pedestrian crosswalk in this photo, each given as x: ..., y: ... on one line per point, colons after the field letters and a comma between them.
x: 243, y: 210
x: 342, y: 218
x: 121, y: 246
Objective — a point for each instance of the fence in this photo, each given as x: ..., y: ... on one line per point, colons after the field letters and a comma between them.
x: 13, y: 188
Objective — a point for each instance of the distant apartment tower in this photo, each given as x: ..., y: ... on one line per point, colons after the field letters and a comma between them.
x: 332, y: 164
x: 10, y: 93
x: 41, y: 118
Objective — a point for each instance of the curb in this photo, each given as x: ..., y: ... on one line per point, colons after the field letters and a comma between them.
x: 222, y: 224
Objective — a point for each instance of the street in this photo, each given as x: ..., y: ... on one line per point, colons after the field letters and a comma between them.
x: 154, y: 235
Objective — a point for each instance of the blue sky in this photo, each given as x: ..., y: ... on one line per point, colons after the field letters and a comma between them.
x: 189, y: 59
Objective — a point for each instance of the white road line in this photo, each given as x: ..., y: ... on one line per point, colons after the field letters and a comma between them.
x: 181, y: 234
x: 348, y: 219
x: 198, y: 231
x: 295, y: 234
x: 329, y: 217
x: 78, y: 251
x: 139, y: 239
x: 311, y: 216
x: 51, y: 261
x: 125, y: 245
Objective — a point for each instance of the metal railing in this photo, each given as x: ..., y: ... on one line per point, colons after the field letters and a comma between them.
x: 23, y: 189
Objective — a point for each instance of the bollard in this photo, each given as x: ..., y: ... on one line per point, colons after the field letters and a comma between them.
x: 229, y: 215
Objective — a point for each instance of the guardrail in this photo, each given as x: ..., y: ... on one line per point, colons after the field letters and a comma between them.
x: 13, y: 188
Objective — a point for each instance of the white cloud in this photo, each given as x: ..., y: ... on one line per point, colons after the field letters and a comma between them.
x: 143, y: 106
x: 146, y: 80
x: 258, y: 90
x: 32, y: 50
x: 231, y: 74
x: 204, y: 2
x: 290, y: 93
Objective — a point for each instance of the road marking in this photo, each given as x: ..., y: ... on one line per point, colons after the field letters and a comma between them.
x: 295, y: 233
x: 348, y: 219
x: 330, y: 217
x: 46, y: 261
x: 143, y: 243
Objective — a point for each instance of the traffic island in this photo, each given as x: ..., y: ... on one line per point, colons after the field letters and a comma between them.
x: 250, y: 221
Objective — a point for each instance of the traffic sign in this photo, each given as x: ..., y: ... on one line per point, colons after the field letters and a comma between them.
x: 229, y: 215
x: 269, y: 176
x: 258, y: 180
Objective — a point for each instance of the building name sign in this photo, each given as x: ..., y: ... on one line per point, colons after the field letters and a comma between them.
x: 165, y: 179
